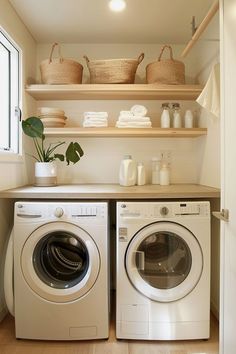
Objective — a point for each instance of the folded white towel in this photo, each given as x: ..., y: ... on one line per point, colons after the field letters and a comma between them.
x: 100, y: 114
x: 133, y: 125
x: 126, y: 115
x: 125, y: 112
x: 134, y: 119
x: 139, y: 110
x: 87, y: 124
x: 95, y: 118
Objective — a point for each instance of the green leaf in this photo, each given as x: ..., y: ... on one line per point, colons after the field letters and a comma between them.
x: 33, y: 127
x: 73, y: 153
x: 59, y: 157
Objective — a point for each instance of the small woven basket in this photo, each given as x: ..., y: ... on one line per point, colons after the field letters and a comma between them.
x: 113, y: 71
x: 60, y: 70
x: 166, y: 71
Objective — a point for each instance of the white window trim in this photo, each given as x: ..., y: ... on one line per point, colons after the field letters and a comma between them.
x: 9, y: 156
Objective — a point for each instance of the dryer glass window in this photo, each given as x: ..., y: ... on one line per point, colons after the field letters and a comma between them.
x: 163, y: 260
x: 61, y: 259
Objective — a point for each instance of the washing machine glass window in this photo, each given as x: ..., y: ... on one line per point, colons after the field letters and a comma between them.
x: 164, y: 261
x: 61, y: 259
x: 60, y: 262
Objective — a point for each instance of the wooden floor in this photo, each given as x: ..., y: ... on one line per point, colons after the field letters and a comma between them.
x: 9, y: 345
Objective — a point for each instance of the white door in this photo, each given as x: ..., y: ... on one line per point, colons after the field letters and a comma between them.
x: 228, y: 230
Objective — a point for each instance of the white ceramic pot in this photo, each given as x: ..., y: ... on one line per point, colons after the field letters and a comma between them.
x: 45, y: 174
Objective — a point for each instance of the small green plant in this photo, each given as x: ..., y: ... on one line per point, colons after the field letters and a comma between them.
x: 33, y: 127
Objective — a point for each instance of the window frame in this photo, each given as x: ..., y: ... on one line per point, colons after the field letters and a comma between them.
x: 14, y: 152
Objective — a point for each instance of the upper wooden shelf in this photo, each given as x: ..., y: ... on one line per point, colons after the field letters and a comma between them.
x: 114, y: 92
x: 126, y: 132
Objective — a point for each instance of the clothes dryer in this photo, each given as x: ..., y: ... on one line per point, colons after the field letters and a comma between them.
x: 163, y: 270
x: 60, y: 253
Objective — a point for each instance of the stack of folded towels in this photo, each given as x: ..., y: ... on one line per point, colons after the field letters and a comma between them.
x: 135, y: 118
x: 95, y: 119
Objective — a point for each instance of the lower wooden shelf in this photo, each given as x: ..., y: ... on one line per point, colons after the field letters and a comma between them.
x: 127, y: 132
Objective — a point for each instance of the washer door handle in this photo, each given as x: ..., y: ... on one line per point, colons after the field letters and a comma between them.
x: 140, y: 259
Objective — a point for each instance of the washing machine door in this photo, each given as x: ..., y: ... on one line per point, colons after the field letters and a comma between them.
x: 60, y: 262
x: 164, y: 261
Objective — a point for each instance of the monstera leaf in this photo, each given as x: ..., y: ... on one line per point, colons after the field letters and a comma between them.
x: 33, y: 127
x: 73, y: 153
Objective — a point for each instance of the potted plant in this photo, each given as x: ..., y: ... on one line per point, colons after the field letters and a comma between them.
x: 45, y: 168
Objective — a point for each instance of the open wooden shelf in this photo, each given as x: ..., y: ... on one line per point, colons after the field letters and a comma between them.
x: 126, y: 132
x: 114, y: 92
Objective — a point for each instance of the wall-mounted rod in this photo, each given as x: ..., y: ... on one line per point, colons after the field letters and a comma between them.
x: 201, y: 28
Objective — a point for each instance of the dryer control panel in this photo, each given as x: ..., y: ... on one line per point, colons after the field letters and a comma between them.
x: 161, y: 210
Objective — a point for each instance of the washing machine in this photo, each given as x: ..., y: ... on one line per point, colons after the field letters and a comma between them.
x: 163, y: 270
x: 61, y: 270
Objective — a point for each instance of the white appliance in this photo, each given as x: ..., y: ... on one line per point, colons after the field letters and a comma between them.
x: 61, y: 277
x: 163, y: 270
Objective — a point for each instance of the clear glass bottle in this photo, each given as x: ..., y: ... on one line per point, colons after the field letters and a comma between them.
x: 165, y: 116
x: 177, y: 120
x: 156, y: 164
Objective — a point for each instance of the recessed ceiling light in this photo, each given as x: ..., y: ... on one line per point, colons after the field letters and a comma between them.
x: 117, y: 5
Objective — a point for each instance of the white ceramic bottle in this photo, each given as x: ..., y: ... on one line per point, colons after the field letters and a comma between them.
x: 177, y: 121
x: 141, y: 175
x: 188, y: 119
x: 127, y: 173
x: 165, y: 116
x: 156, y: 164
x: 164, y: 175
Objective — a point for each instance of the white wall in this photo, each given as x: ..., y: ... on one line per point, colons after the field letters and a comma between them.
x: 14, y: 174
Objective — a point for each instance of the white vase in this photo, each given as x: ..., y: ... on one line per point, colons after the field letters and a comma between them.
x: 45, y: 174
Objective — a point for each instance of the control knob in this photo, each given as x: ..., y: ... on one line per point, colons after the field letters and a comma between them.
x: 58, y: 212
x: 164, y: 211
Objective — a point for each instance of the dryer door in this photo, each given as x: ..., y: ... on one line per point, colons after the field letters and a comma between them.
x: 164, y: 261
x: 60, y: 262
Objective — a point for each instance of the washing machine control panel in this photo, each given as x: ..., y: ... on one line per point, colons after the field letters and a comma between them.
x: 58, y: 212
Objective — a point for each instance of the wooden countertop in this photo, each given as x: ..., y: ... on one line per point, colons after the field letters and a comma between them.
x: 112, y: 191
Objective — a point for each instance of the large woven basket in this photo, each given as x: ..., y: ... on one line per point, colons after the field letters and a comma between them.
x: 166, y: 71
x: 113, y: 71
x: 60, y: 70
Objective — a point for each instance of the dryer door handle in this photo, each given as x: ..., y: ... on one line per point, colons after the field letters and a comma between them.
x: 140, y: 259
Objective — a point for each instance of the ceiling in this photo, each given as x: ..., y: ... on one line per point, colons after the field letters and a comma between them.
x: 91, y: 21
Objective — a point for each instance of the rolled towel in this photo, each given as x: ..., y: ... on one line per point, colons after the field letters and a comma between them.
x: 133, y: 125
x: 87, y: 124
x: 134, y: 119
x: 139, y: 110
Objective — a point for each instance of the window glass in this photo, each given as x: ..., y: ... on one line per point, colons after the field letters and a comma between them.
x: 9, y: 93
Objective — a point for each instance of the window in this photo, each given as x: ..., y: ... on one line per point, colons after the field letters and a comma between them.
x: 9, y: 95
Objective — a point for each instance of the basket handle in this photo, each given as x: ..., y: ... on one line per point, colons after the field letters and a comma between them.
x: 140, y: 58
x: 162, y: 50
x: 86, y: 58
x: 59, y: 52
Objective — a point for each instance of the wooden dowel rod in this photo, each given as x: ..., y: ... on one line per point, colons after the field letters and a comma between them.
x: 201, y: 28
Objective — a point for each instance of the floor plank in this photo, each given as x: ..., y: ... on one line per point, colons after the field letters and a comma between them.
x: 10, y: 345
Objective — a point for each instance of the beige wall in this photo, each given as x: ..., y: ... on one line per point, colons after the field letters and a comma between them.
x: 100, y: 153
x: 14, y: 174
